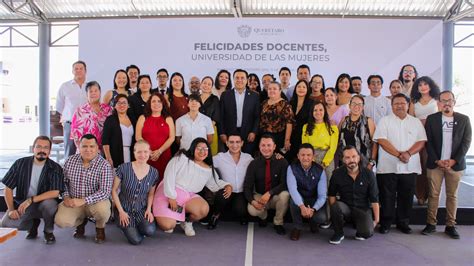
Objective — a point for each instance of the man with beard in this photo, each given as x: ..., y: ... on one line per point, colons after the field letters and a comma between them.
x: 194, y: 85
x: 133, y: 72
x: 449, y: 136
x: 357, y: 188
x: 38, y: 181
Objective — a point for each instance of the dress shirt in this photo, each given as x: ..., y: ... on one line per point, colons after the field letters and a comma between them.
x: 377, y: 107
x: 402, y: 134
x: 232, y: 172
x: 189, y: 129
x: 184, y: 173
x: 239, y: 102
x: 70, y: 96
x: 93, y: 184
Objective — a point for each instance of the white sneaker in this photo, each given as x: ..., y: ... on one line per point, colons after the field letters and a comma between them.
x: 169, y: 231
x: 188, y: 228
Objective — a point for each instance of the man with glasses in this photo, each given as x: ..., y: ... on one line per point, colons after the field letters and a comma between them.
x: 407, y: 76
x: 162, y: 79
x: 38, y: 181
x: 194, y: 85
x: 449, y: 137
x: 376, y: 105
x: 400, y: 137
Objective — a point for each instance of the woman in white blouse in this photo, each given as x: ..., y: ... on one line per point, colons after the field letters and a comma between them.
x: 186, y: 174
x: 424, y: 95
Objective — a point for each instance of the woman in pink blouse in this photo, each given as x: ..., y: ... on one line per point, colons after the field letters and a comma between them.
x: 90, y: 117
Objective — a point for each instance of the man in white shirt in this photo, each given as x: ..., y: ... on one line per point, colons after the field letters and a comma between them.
x: 232, y: 166
x: 71, y: 95
x: 133, y: 72
x: 400, y: 138
x: 376, y: 105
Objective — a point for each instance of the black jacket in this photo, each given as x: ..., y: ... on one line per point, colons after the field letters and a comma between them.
x: 255, y: 177
x: 228, y: 114
x: 112, y: 136
x: 462, y: 135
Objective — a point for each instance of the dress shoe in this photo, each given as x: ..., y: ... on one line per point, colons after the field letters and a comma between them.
x: 314, y: 228
x: 452, y: 232
x: 100, y: 235
x: 33, y: 232
x: 213, y: 222
x: 428, y: 230
x: 244, y: 222
x: 262, y: 222
x: 384, y: 229
x: 49, y: 238
x: 279, y: 229
x: 80, y: 230
x: 295, y: 234
x: 404, y: 228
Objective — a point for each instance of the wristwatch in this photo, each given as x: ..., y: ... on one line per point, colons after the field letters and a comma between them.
x: 372, y: 162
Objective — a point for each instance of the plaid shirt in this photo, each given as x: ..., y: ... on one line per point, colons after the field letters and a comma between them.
x: 93, y: 184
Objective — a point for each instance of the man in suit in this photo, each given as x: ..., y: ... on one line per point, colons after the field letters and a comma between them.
x: 240, y: 112
x: 449, y: 137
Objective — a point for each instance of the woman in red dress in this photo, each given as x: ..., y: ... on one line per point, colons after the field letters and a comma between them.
x: 156, y: 126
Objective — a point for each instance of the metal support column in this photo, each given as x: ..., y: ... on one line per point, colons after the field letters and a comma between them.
x: 448, y: 42
x: 44, y: 40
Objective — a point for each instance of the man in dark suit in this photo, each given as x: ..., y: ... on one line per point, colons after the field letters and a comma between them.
x: 240, y: 112
x: 449, y: 138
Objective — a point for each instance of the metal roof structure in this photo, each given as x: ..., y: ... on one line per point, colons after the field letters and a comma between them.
x: 51, y: 10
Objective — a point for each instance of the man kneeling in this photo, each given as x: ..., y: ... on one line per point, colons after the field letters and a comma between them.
x: 358, y: 190
x: 88, y: 184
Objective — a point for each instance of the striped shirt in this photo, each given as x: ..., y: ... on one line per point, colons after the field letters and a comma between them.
x: 93, y: 184
x: 19, y: 176
x: 134, y: 192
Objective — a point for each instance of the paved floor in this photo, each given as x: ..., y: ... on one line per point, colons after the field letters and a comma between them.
x: 233, y: 244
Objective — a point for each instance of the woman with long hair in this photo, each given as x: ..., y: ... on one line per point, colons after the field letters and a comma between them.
x: 300, y: 105
x: 121, y: 86
x: 254, y: 83
x: 344, y: 89
x: 317, y: 88
x: 138, y: 100
x: 157, y: 127
x: 187, y: 174
x: 222, y: 83
x: 177, y: 97
x: 118, y: 136
x: 424, y: 95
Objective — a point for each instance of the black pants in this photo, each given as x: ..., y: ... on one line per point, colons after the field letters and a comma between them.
x: 318, y: 218
x: 237, y: 202
x: 362, y: 218
x: 396, y: 197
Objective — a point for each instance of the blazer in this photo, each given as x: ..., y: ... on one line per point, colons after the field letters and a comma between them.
x: 228, y: 114
x: 462, y: 135
x: 112, y: 136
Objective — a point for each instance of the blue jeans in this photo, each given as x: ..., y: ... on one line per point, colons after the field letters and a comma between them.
x: 136, y: 234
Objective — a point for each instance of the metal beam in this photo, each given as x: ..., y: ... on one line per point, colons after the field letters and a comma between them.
x: 448, y: 41
x: 27, y: 9
x: 44, y: 37
x: 459, y: 10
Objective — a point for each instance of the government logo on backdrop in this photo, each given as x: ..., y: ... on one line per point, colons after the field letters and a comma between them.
x: 244, y: 31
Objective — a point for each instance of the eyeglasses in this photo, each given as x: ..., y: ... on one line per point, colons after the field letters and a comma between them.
x: 447, y: 101
x: 122, y: 103
x: 201, y: 149
x: 408, y: 72
x: 357, y: 104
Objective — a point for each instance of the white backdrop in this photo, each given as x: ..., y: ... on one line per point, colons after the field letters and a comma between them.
x: 203, y: 46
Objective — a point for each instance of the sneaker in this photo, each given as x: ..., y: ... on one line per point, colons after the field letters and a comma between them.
x: 452, y: 232
x: 188, y: 228
x: 169, y: 231
x: 33, y: 232
x: 428, y: 230
x: 359, y: 237
x: 336, y: 239
x: 325, y: 225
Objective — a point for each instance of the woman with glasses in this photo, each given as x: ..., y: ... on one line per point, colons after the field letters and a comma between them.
x: 357, y: 130
x: 187, y: 174
x: 317, y: 88
x: 118, y: 136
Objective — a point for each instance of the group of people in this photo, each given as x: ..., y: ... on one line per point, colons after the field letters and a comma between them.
x: 162, y: 157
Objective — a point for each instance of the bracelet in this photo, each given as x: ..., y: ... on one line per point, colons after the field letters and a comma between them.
x: 409, y: 153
